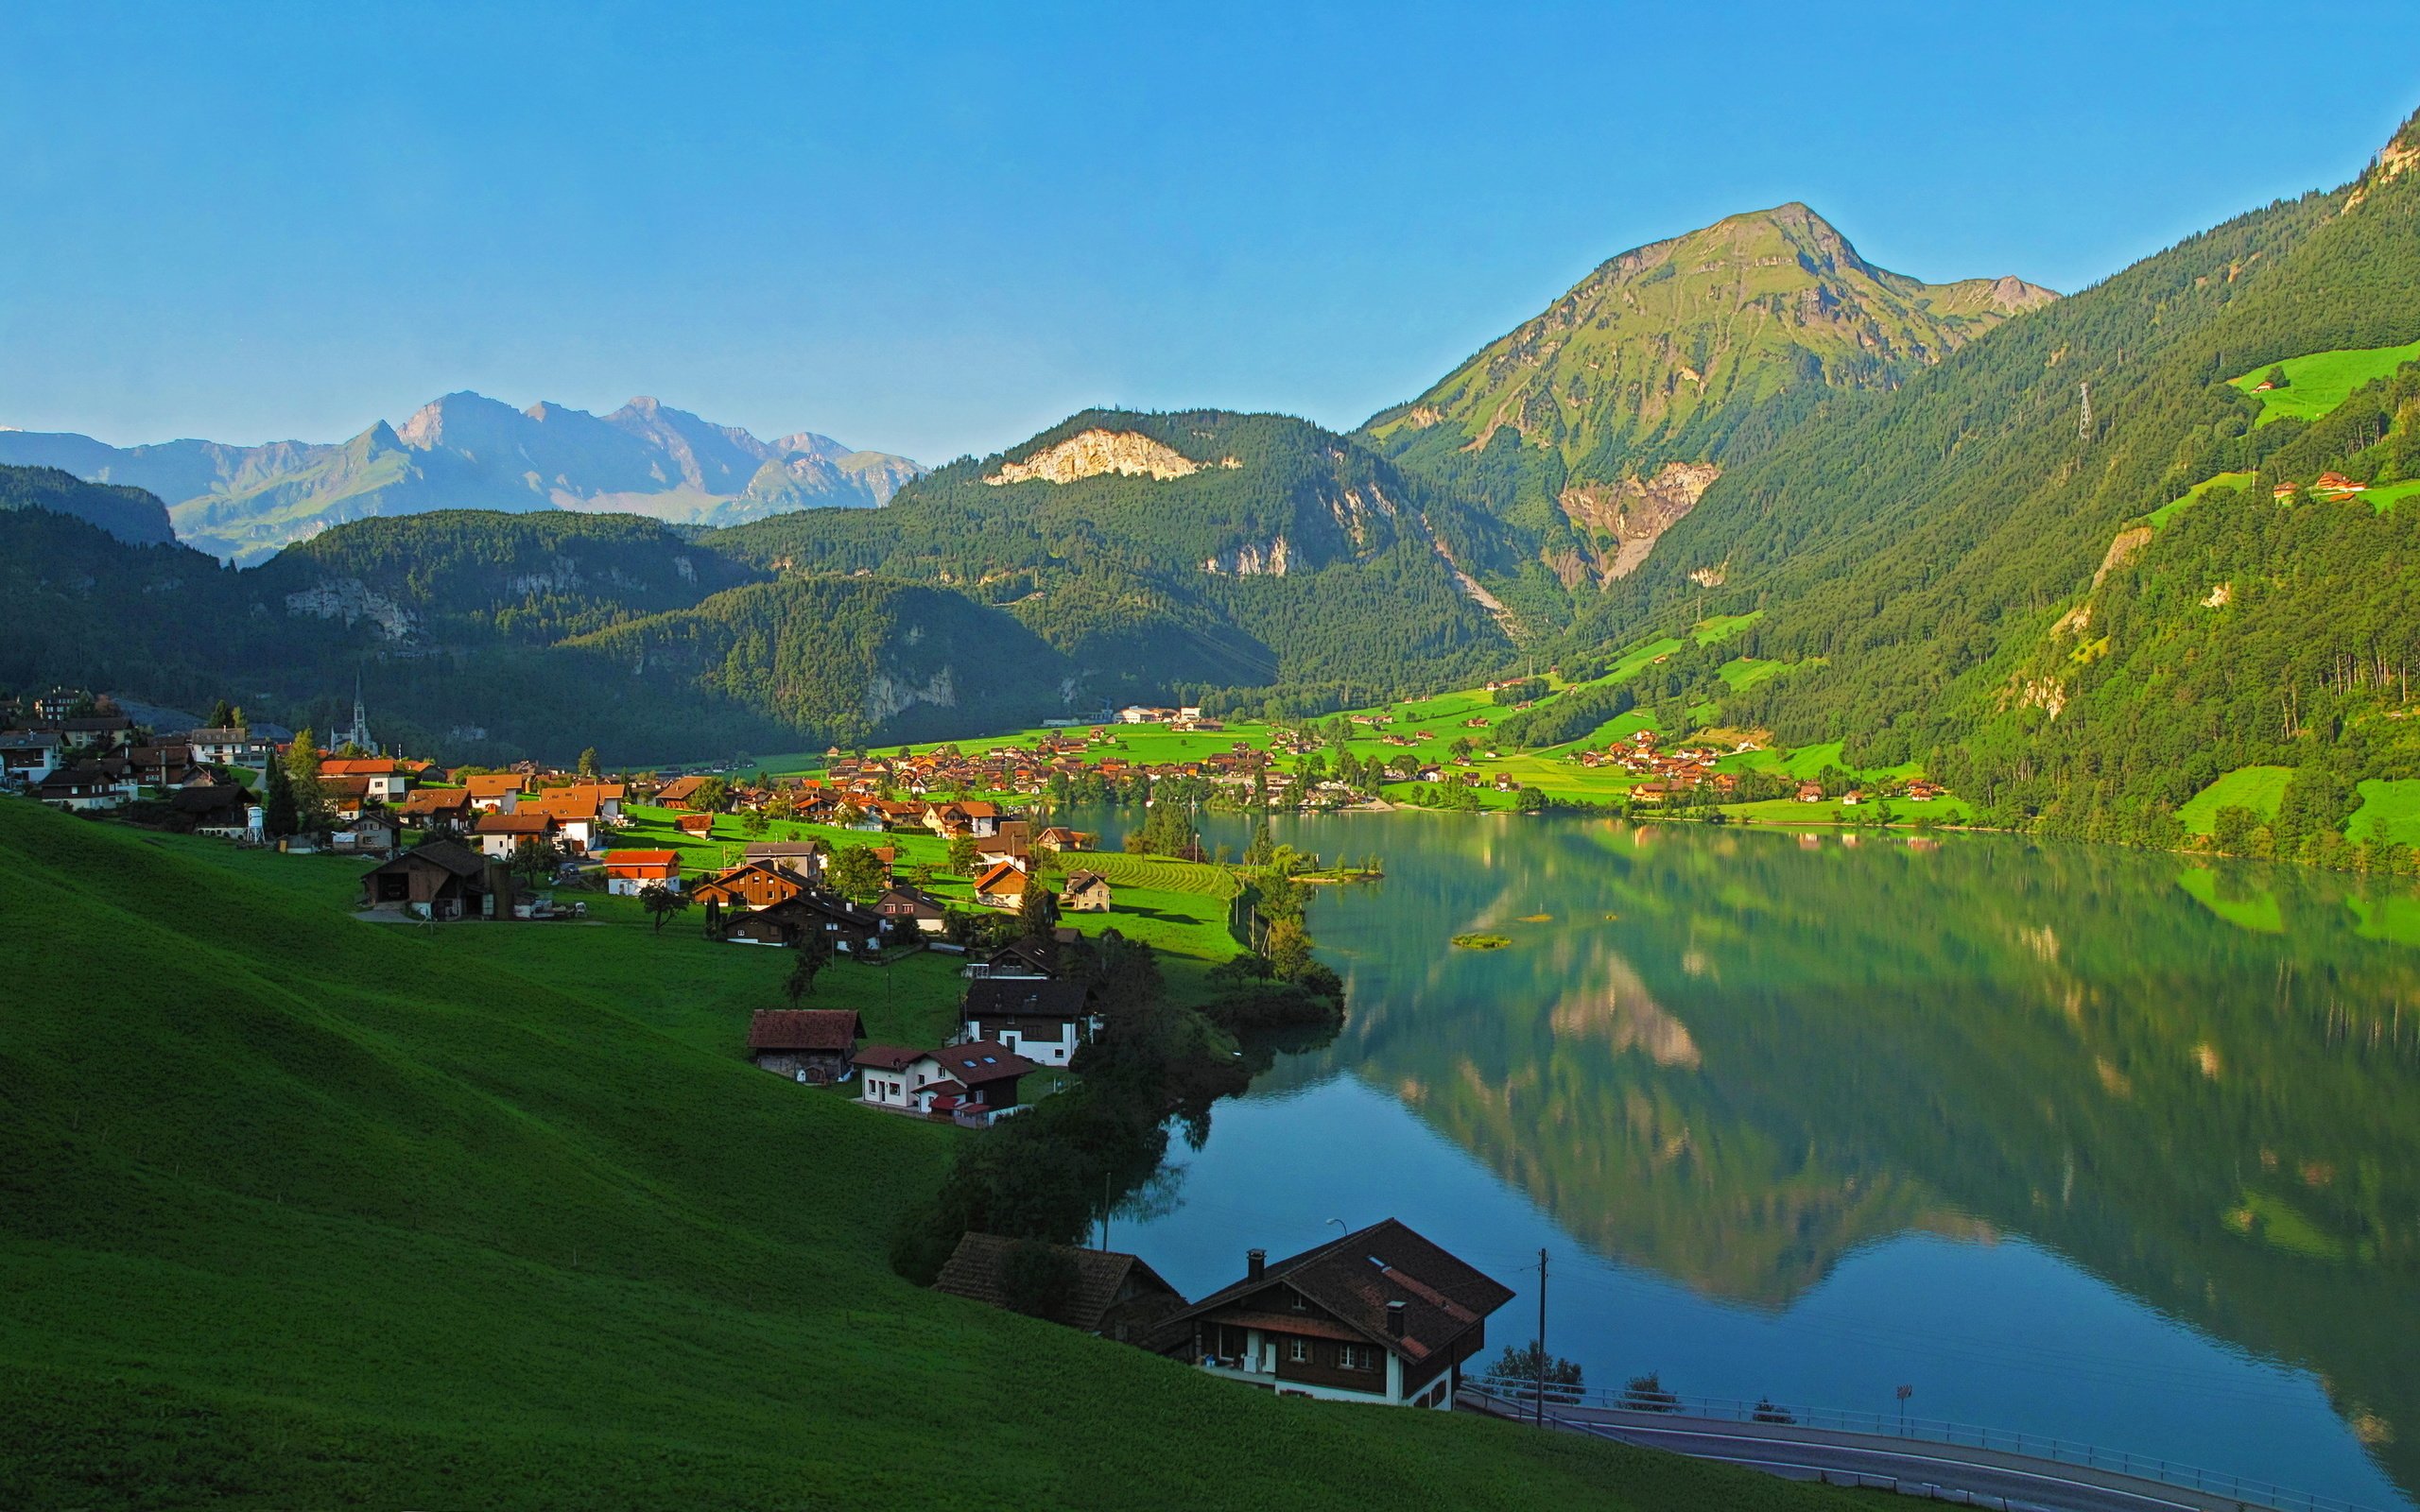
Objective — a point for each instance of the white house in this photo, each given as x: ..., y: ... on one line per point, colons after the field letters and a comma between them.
x: 978, y: 1073
x: 27, y: 756
x: 1041, y: 1020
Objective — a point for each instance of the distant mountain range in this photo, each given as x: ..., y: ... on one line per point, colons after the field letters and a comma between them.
x: 465, y: 451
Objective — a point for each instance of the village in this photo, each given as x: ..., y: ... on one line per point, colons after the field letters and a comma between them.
x: 874, y: 861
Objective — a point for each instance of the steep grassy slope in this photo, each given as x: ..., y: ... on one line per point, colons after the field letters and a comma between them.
x: 315, y: 1212
x: 1586, y: 425
x: 1924, y: 553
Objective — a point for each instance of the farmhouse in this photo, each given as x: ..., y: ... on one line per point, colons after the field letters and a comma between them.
x: 501, y: 833
x: 680, y: 792
x: 441, y: 879
x: 1116, y: 1296
x: 1087, y: 892
x: 1381, y: 1316
x: 850, y: 928
x: 1040, y: 1019
x: 628, y: 872
x: 751, y: 886
x: 424, y: 806
x: 807, y: 1044
x: 1000, y: 886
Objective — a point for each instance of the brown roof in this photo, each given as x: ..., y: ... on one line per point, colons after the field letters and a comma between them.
x: 886, y: 1057
x: 806, y: 1029
x: 492, y: 784
x: 500, y: 823
x: 998, y: 877
x: 1352, y: 1278
x: 974, y: 1272
x: 434, y: 800
x: 981, y: 1062
x: 568, y: 803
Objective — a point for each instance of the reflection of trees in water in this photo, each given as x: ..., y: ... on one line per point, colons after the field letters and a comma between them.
x: 1771, y: 1054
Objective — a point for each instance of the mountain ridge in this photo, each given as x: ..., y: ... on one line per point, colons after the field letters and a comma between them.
x: 465, y: 450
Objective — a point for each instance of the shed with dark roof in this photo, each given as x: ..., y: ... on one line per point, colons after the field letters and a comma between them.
x: 809, y: 1044
x: 1116, y: 1296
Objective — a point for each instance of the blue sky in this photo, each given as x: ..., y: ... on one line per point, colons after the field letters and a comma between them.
x: 937, y: 230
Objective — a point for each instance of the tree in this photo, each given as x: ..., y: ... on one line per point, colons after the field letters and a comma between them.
x: 814, y: 953
x: 588, y: 762
x: 2230, y: 832
x: 536, y: 858
x: 754, y: 823
x: 222, y: 715
x: 1288, y: 947
x: 302, y: 778
x: 2277, y: 379
x: 1263, y: 846
x: 1038, y: 1280
x: 277, y: 816
x: 661, y: 903
x: 1515, y: 1372
x: 711, y: 796
x: 962, y: 855
x: 1037, y: 910
x: 857, y: 872
x: 921, y: 874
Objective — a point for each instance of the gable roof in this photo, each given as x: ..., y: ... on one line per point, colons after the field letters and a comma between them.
x: 451, y: 855
x: 434, y: 800
x: 492, y: 784
x: 994, y: 997
x: 886, y: 1057
x: 642, y: 858
x: 996, y: 878
x: 981, y: 1062
x: 1354, y: 1279
x: 565, y: 804
x: 976, y: 1268
x: 806, y: 1029
x: 526, y: 822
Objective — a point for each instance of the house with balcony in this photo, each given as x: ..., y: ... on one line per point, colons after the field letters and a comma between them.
x: 1380, y: 1316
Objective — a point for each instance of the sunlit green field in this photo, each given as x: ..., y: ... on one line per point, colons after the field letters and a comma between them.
x: 2324, y: 379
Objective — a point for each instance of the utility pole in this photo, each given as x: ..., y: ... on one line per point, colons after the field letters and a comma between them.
x: 1542, y: 1336
x: 2083, y: 422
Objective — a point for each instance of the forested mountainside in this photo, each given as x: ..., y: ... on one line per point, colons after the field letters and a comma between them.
x: 1192, y: 551
x: 479, y: 634
x: 2082, y: 615
x: 129, y: 514
x: 465, y: 451
x: 1600, y: 424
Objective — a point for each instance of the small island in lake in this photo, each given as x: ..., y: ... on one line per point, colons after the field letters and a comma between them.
x: 1480, y: 942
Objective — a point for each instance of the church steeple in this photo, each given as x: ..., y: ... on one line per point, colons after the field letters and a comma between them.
x: 359, y: 733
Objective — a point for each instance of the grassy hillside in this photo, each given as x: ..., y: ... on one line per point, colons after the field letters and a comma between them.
x: 2318, y: 382
x: 309, y: 1211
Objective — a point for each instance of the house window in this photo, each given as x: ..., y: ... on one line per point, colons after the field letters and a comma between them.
x: 1298, y: 1350
x: 1301, y: 1303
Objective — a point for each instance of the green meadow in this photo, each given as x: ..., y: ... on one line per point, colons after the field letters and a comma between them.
x: 2322, y: 380
x: 2257, y: 788
x: 307, y: 1212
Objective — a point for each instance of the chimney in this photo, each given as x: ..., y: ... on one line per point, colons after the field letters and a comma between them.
x: 1395, y: 1321
x: 1255, y: 1261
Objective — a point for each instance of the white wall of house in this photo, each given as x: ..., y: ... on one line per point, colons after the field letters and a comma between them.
x: 884, y: 1089
x: 1046, y: 1052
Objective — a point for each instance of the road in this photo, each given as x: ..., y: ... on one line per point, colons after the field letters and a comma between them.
x: 1979, y: 1477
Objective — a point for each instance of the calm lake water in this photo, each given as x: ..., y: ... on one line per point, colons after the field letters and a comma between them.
x: 2078, y: 1140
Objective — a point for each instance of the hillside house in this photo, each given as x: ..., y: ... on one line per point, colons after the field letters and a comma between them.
x: 384, y: 779
x: 630, y: 872
x: 1043, y: 1020
x: 851, y: 929
x: 1086, y: 892
x: 697, y: 826
x: 498, y: 834
x: 229, y: 745
x: 1001, y: 885
x: 750, y: 886
x: 222, y: 811
x: 428, y: 807
x: 680, y: 792
x: 812, y: 1046
x: 1811, y: 792
x: 904, y: 908
x: 27, y: 756
x: 578, y: 820
x: 439, y: 879
x: 1026, y: 958
x: 1380, y: 1316
x: 805, y: 856
x: 1116, y: 1296
x: 494, y: 792
x: 106, y: 784
x: 974, y: 1082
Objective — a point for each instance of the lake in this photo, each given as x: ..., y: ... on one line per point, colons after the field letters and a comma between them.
x: 2114, y: 1146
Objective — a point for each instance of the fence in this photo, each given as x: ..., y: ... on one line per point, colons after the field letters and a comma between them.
x: 1522, y: 1396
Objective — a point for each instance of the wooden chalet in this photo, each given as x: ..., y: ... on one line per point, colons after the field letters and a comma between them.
x: 1380, y: 1315
x: 850, y: 928
x: 1001, y: 885
x: 441, y: 879
x: 680, y: 792
x: 1116, y: 1296
x: 750, y: 886
x: 423, y: 807
x: 808, y: 1044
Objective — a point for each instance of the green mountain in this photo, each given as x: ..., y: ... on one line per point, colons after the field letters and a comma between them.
x: 1967, y: 570
x: 129, y: 514
x: 464, y: 450
x: 1190, y: 551
x: 493, y: 636
x: 1602, y: 420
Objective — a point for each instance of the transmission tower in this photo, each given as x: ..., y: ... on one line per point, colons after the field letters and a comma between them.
x: 2084, y: 420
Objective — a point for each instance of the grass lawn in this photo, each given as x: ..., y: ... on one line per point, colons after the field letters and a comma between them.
x: 2322, y: 381
x: 2257, y: 788
x: 2390, y: 809
x: 307, y: 1212
x: 2192, y: 497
